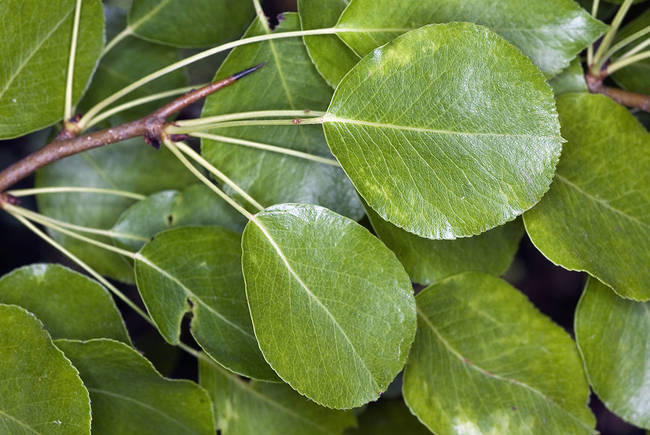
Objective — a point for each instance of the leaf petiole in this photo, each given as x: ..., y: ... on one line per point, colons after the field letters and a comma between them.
x: 172, y: 129
x: 622, y: 63
x: 73, y: 189
x: 599, y: 58
x: 67, y: 111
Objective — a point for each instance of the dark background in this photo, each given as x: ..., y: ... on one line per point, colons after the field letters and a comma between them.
x: 553, y: 290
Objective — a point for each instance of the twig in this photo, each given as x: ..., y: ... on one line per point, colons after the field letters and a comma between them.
x: 150, y: 127
x: 626, y: 98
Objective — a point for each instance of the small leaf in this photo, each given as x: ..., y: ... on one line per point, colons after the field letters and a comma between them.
x: 251, y: 408
x: 613, y: 336
x: 331, y: 57
x: 201, y: 265
x: 486, y: 361
x: 549, y: 32
x: 288, y: 82
x: 634, y: 77
x: 129, y: 396
x: 447, y: 131
x: 196, y: 205
x: 131, y: 166
x: 70, y: 305
x: 428, y: 261
x: 595, y: 217
x: 40, y: 392
x: 189, y: 23
x: 332, y: 308
x: 35, y: 39
x: 572, y: 79
x: 388, y: 417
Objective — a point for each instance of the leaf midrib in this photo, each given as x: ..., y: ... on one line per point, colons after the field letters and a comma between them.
x: 330, y: 118
x: 484, y: 372
x: 20, y: 422
x: 190, y: 293
x: 601, y: 201
x: 293, y: 273
x: 141, y: 404
x: 30, y: 55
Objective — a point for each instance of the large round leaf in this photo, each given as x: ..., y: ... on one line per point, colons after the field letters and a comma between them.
x: 202, y: 266
x: 130, y: 397
x: 428, y: 261
x: 131, y: 166
x: 288, y: 82
x: 331, y: 57
x: 189, y: 23
x: 332, y: 308
x: 70, y: 305
x: 486, y: 361
x: 549, y: 32
x: 40, y: 391
x: 35, y: 39
x: 447, y: 131
x: 194, y: 206
x: 595, y: 217
x: 613, y: 335
x: 252, y: 408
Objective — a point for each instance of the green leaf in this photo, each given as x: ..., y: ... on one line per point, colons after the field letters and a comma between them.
x: 40, y: 392
x: 634, y: 77
x: 130, y: 60
x: 129, y: 396
x: 428, y: 261
x: 613, y: 336
x: 194, y: 23
x: 70, y: 304
x: 35, y: 39
x: 388, y: 417
x: 201, y: 265
x: 271, y: 177
x: 331, y: 57
x: 486, y: 361
x: 447, y: 131
x: 595, y: 217
x: 251, y: 408
x: 333, y: 309
x: 196, y: 205
x: 571, y: 79
x: 131, y: 166
x: 549, y: 32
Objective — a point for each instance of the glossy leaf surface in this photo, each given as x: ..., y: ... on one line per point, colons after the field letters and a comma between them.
x: 132, y: 166
x: 70, y: 305
x: 332, y: 308
x: 201, y: 265
x: 428, y: 261
x: 635, y: 77
x: 550, y: 32
x: 613, y: 335
x: 447, y: 131
x: 331, y: 57
x: 486, y: 361
x: 40, y: 392
x: 251, y: 408
x: 572, y: 79
x: 288, y: 82
x: 388, y: 417
x: 595, y: 217
x: 129, y: 396
x: 189, y: 23
x: 196, y: 205
x: 35, y: 39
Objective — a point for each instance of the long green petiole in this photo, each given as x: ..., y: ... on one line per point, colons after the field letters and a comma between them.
x: 202, y: 55
x: 247, y: 115
x: 267, y: 147
x: 73, y: 189
x: 172, y: 129
x: 599, y: 57
x: 622, y: 63
x: 67, y: 111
